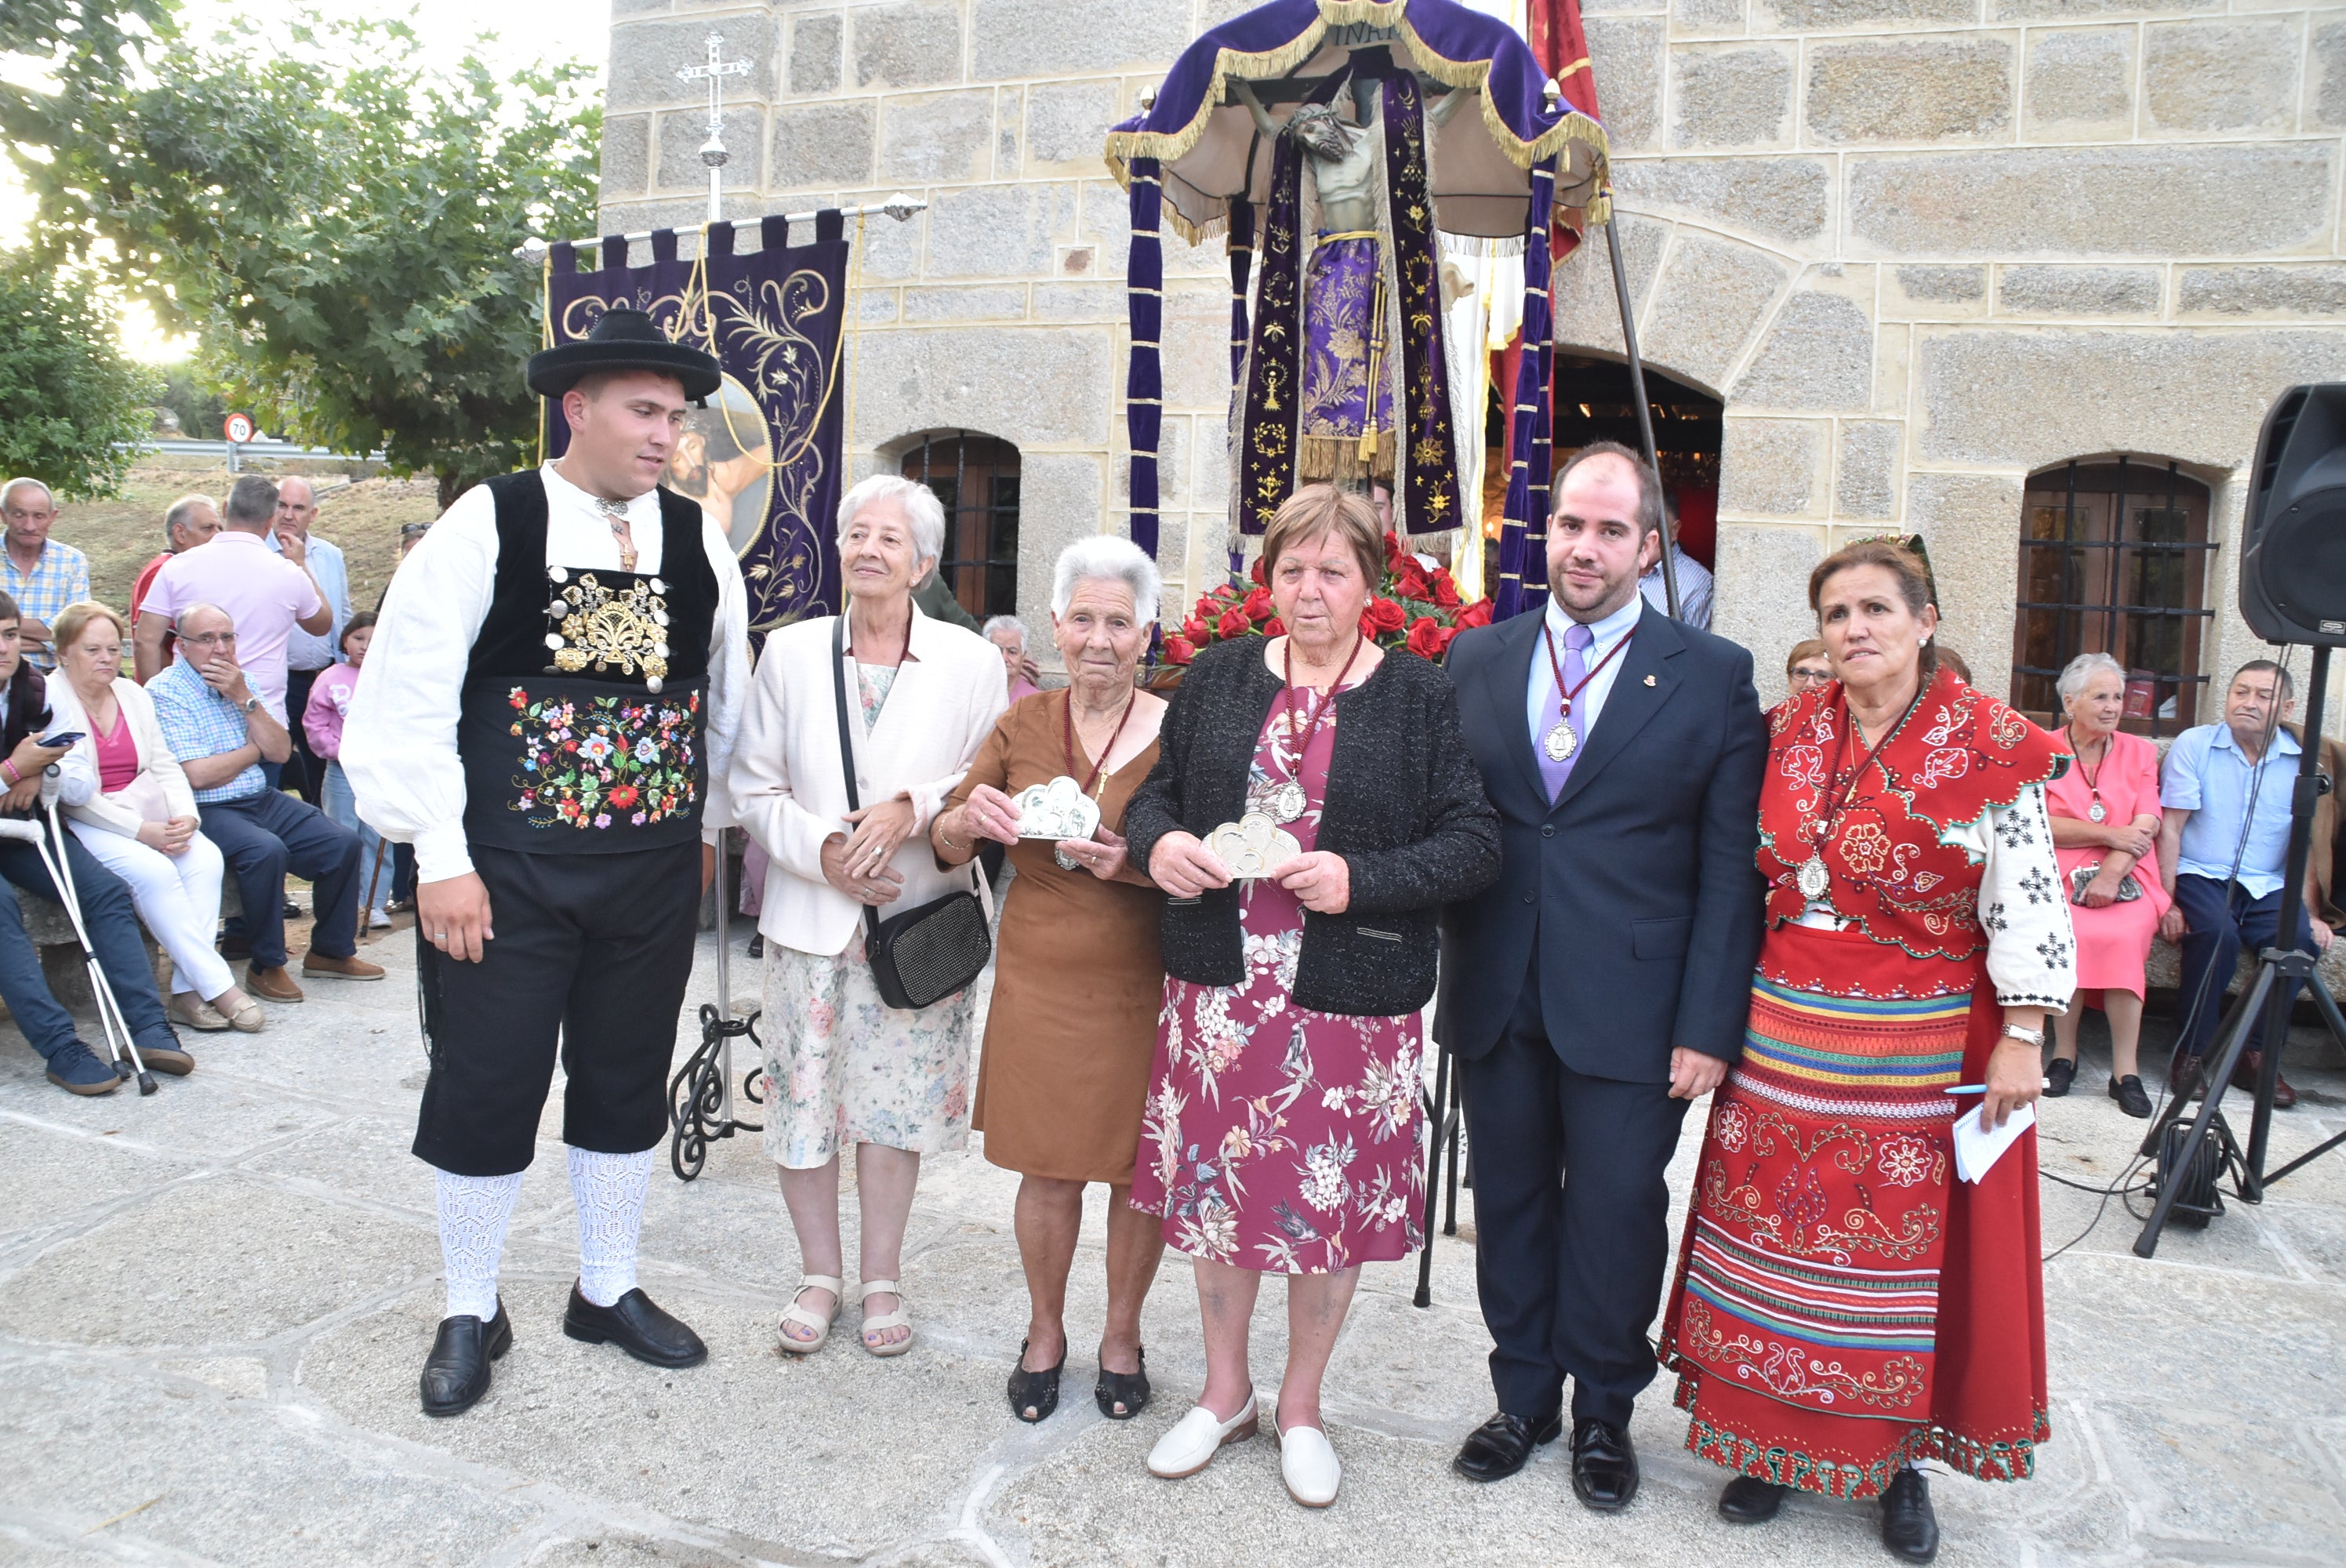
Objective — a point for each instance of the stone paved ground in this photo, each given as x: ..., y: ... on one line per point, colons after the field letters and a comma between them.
x: 214, y: 1303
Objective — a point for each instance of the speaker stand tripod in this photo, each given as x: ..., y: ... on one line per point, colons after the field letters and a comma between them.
x: 2281, y: 969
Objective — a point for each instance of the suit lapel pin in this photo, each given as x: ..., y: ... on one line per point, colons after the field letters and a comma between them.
x: 1649, y: 680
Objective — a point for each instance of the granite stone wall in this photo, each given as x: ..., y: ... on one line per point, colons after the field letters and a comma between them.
x: 1001, y: 310
x: 1919, y: 247
x: 1922, y: 249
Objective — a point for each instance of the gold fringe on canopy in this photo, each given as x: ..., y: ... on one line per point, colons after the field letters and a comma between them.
x: 1228, y: 64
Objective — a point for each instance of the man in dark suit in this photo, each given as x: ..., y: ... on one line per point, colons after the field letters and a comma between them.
x: 1602, y: 983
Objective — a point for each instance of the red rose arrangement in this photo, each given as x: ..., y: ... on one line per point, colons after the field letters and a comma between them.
x: 1414, y: 607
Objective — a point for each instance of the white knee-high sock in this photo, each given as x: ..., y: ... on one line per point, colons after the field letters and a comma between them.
x: 474, y: 1212
x: 610, y: 1193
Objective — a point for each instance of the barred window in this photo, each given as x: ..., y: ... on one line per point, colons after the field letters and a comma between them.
x: 976, y: 479
x: 2114, y: 559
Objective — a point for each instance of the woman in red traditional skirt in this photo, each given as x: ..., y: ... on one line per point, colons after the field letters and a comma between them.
x: 1845, y: 1306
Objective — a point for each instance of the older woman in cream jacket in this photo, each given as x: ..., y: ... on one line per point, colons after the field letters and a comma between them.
x: 132, y: 807
x: 844, y: 1067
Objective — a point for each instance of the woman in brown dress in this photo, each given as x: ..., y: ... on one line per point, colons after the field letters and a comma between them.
x: 1077, y: 979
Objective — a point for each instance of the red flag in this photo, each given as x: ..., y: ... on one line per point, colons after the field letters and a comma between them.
x: 1561, y: 48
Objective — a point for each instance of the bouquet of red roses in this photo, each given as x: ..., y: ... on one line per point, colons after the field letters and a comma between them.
x: 1415, y: 607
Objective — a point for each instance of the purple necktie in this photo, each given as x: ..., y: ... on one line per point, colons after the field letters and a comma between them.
x: 1577, y: 643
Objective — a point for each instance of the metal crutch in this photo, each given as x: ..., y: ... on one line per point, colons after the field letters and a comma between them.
x: 109, y: 1010
x: 110, y: 1005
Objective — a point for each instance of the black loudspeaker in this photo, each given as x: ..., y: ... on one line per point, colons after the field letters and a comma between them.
x: 2293, y: 536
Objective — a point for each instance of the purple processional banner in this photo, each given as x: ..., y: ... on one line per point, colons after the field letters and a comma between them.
x: 763, y: 456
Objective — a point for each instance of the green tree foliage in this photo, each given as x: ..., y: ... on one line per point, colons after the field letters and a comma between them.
x: 335, y: 224
x: 67, y: 396
x: 201, y: 411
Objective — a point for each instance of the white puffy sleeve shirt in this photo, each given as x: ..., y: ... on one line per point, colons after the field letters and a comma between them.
x: 399, y: 741
x: 2032, y: 950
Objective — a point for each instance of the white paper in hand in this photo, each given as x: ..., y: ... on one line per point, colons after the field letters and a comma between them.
x: 1977, y: 1149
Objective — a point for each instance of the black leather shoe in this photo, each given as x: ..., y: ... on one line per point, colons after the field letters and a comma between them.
x: 2059, y: 1073
x: 456, y: 1373
x: 636, y: 1327
x: 1604, y: 1466
x: 1502, y: 1445
x: 1909, y: 1528
x: 1749, y: 1500
x: 2131, y: 1096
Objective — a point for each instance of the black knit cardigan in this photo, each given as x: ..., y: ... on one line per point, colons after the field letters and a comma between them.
x: 1404, y: 808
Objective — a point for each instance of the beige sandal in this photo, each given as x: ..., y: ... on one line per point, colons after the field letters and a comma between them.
x: 886, y: 1321
x: 794, y: 1313
x: 247, y: 1019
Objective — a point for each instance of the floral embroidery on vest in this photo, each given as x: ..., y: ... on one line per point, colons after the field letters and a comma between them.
x: 1957, y: 754
x: 594, y: 762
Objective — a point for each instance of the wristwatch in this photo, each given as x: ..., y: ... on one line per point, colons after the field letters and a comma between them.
x: 251, y: 704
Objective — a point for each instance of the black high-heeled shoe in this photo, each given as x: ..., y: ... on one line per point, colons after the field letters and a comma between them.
x: 1035, y: 1392
x: 1129, y: 1389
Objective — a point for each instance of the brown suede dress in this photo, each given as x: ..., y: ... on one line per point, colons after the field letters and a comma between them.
x: 1077, y: 978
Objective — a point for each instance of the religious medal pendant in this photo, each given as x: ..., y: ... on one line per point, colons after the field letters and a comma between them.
x: 2098, y: 812
x: 1815, y: 880
x: 1561, y: 742
x: 1287, y: 801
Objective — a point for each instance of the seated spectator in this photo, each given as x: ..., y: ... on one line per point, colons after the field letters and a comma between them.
x: 1806, y: 668
x: 221, y: 732
x: 2105, y: 821
x: 190, y: 520
x: 106, y: 908
x: 321, y: 720
x: 1950, y: 659
x: 42, y: 577
x: 1007, y: 633
x: 2223, y: 862
x: 132, y: 808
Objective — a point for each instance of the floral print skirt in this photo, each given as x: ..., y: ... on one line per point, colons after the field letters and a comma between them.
x: 1275, y: 1137
x: 844, y: 1067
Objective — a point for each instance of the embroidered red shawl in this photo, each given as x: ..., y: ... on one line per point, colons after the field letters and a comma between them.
x: 1956, y: 755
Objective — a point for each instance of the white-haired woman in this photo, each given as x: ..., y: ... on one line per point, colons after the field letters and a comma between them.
x: 1008, y: 633
x: 844, y: 1067
x: 2106, y: 817
x: 1077, y: 979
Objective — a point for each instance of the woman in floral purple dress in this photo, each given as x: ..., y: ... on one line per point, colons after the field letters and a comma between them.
x: 1281, y: 1130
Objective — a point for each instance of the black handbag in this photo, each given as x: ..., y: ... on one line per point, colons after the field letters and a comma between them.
x: 923, y: 955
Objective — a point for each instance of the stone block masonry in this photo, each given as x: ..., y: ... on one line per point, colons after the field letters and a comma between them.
x: 1919, y: 248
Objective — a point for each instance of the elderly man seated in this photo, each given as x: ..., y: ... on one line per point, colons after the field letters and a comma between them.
x: 2223, y: 842
x: 104, y: 902
x: 221, y: 733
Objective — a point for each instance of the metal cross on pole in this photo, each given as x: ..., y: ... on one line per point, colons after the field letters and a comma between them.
x: 712, y: 151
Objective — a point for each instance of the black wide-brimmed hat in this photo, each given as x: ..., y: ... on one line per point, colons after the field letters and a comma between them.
x: 623, y: 340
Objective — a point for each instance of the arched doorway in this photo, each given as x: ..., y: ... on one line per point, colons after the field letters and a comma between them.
x: 975, y: 478
x: 1593, y: 402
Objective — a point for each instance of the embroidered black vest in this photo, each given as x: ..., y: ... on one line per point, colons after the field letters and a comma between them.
x: 586, y: 697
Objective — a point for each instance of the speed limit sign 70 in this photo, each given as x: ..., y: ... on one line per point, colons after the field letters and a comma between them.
x: 239, y: 428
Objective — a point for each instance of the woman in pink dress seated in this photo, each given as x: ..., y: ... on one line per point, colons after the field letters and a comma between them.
x: 2105, y: 813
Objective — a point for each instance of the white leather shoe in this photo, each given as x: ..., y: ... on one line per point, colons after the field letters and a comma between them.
x: 1308, y: 1464
x: 1196, y: 1438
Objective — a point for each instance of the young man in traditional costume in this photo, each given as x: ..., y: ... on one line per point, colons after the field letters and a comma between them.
x: 547, y: 713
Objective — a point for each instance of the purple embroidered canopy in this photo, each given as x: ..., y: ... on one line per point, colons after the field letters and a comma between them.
x: 1200, y: 136
x: 1491, y: 168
